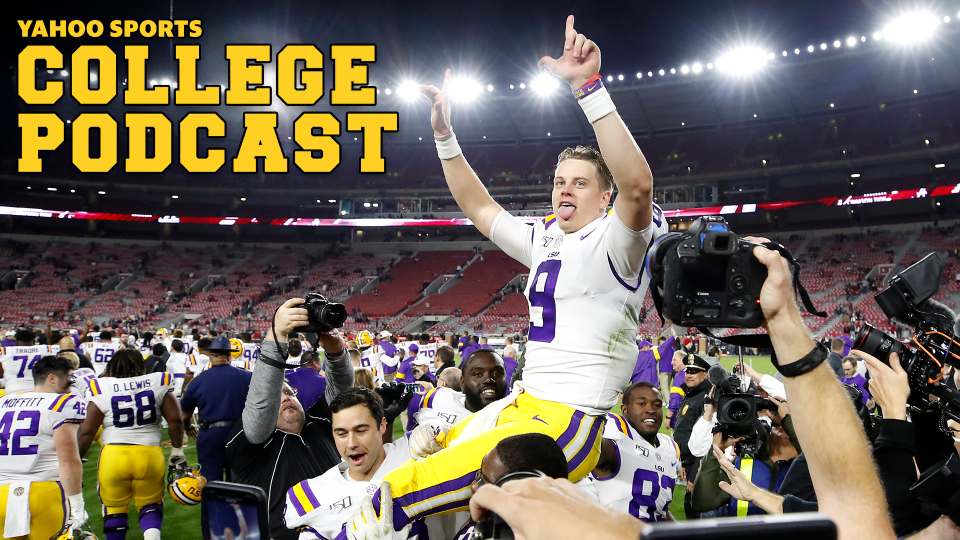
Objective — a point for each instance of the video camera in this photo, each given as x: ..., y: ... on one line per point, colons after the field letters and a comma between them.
x: 908, y: 302
x: 714, y: 278
x: 737, y: 407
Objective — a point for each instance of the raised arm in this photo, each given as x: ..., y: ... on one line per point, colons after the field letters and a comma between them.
x: 578, y: 64
x: 465, y: 185
x: 841, y: 466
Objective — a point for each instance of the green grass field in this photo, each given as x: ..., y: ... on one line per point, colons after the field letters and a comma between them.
x: 181, y: 521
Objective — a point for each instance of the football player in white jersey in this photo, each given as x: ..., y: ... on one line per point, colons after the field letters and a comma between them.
x: 177, y: 366
x: 41, y: 473
x: 198, y: 361
x: 638, y: 466
x: 482, y: 382
x: 16, y: 363
x: 371, y: 356
x: 102, y: 350
x: 427, y: 350
x: 585, y: 291
x: 319, y: 507
x: 129, y: 404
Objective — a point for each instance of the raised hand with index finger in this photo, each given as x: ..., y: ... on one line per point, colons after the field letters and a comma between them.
x: 580, y: 60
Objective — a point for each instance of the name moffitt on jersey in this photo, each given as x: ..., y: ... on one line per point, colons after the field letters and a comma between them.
x: 643, y: 482
x: 319, y: 507
x: 585, y: 292
x: 18, y: 364
x: 131, y: 407
x: 30, y: 419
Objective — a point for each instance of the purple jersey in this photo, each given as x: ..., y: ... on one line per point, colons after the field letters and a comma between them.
x: 861, y: 383
x: 664, y: 355
x: 677, y: 391
x: 309, y: 385
x: 646, y: 368
x: 847, y: 344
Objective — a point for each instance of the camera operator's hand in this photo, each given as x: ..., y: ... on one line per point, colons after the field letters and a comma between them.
x: 547, y: 508
x: 743, y: 489
x: 331, y: 342
x: 724, y: 442
x: 776, y: 296
x: 889, y: 385
x: 394, y: 399
x: 288, y: 318
x: 709, y: 408
x: 425, y: 386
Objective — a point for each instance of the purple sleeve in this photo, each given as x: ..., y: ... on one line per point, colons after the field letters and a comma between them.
x: 646, y: 368
x: 676, y: 392
x: 666, y: 355
x: 413, y: 408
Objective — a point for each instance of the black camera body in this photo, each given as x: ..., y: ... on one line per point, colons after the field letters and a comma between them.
x: 322, y: 315
x: 708, y: 275
x: 908, y: 301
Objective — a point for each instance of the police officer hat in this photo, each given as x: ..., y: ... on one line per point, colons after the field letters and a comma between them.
x: 221, y: 345
x: 694, y: 364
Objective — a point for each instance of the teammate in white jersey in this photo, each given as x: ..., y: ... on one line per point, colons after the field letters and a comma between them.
x: 638, y: 466
x: 102, y: 350
x: 177, y: 366
x: 585, y: 290
x: 42, y: 471
x: 427, y: 350
x: 129, y: 404
x: 250, y: 351
x: 319, y: 507
x: 16, y: 363
x: 198, y: 361
x: 482, y: 382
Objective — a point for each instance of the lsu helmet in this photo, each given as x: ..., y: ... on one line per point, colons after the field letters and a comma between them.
x: 237, y: 347
x: 78, y: 534
x: 185, y: 484
x: 364, y: 340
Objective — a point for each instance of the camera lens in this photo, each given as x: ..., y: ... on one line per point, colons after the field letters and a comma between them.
x: 333, y: 315
x: 738, y: 410
x: 876, y: 343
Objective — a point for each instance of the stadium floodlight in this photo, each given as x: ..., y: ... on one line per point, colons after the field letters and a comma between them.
x: 174, y: 196
x: 389, y: 91
x: 93, y: 77
x: 710, y: 65
x: 836, y: 44
x: 101, y: 193
x: 742, y: 61
x: 544, y: 84
x: 331, y: 201
x: 365, y: 205
x: 855, y: 175
x: 376, y: 205
x: 823, y: 46
x: 673, y: 71
x: 489, y: 88
x: 771, y: 56
x: 639, y: 75
x: 877, y: 36
x: 609, y: 78
x: 863, y: 39
x: 408, y: 91
x: 911, y: 27
x: 49, y: 72
x: 51, y: 189
x: 796, y: 51
x: 684, y: 69
x: 243, y: 199
x: 522, y: 86
x: 64, y: 73
x: 851, y: 41
x: 809, y: 48
x: 662, y: 72
x: 153, y: 82
x: 784, y: 53
x: 649, y: 74
x: 620, y: 77
x: 946, y: 18
x: 165, y: 82
x: 511, y: 87
x: 697, y: 67
x: 939, y: 165
x: 465, y: 89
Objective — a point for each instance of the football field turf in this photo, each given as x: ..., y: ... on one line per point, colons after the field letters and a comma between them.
x: 181, y: 521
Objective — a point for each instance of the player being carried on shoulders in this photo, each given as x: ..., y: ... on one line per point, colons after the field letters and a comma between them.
x: 585, y: 291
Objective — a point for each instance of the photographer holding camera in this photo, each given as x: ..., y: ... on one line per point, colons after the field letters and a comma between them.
x: 847, y: 485
x: 277, y: 444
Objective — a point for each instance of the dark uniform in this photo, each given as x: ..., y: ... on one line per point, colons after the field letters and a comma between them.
x: 691, y: 409
x: 219, y: 394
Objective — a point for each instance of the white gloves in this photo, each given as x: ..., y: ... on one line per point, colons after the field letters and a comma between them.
x: 365, y: 525
x: 176, y: 456
x: 423, y: 439
x: 78, y: 516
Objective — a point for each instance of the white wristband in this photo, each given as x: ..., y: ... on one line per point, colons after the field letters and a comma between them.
x: 597, y: 105
x: 76, y: 502
x: 448, y: 148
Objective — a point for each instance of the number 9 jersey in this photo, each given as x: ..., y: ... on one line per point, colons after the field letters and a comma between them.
x: 131, y: 407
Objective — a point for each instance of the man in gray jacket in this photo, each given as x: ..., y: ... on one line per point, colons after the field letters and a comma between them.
x: 277, y: 444
x: 835, y: 358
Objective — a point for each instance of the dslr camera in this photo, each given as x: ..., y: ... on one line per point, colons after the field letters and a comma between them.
x: 908, y: 302
x: 737, y: 409
x: 712, y: 276
x: 322, y: 315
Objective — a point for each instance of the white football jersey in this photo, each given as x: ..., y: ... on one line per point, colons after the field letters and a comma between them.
x: 642, y: 485
x: 427, y: 352
x: 442, y: 404
x: 81, y: 388
x: 198, y: 363
x: 319, y: 507
x: 370, y: 359
x: 28, y: 421
x: 18, y: 364
x: 177, y: 366
x: 100, y: 353
x: 131, y: 407
x: 250, y: 353
x: 585, y: 291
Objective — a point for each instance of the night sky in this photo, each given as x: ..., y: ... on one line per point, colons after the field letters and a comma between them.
x: 496, y: 41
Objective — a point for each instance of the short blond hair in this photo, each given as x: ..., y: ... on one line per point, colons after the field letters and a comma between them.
x: 586, y: 153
